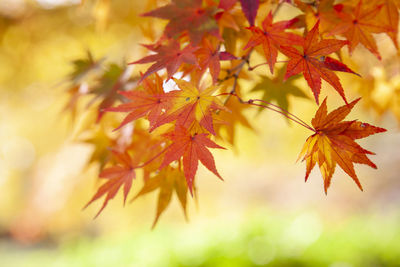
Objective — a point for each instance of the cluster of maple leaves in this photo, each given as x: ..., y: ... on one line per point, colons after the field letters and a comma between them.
x: 208, y: 43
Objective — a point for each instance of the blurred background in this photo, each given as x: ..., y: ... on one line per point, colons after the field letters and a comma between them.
x: 263, y: 214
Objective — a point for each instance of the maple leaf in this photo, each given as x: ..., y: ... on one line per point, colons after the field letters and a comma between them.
x: 187, y: 16
x: 192, y: 148
x: 81, y: 70
x: 168, y: 181
x: 250, y: 8
x: 333, y: 143
x: 390, y: 16
x: 209, y: 57
x: 168, y: 56
x: 75, y: 93
x: 380, y: 91
x: 278, y: 91
x: 150, y: 102
x: 107, y: 89
x: 228, y: 120
x: 271, y: 37
x: 313, y: 62
x: 117, y: 176
x: 83, y: 66
x: 147, y: 149
x: 191, y: 104
x: 224, y: 17
x: 323, y: 11
x: 357, y: 24
x: 101, y: 142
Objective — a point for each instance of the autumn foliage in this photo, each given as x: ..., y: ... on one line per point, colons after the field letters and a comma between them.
x: 206, y: 49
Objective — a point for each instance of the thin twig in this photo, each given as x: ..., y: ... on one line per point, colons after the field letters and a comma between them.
x: 282, y: 109
x: 250, y: 68
x: 153, y: 158
x: 282, y: 113
x: 277, y: 8
x: 275, y: 108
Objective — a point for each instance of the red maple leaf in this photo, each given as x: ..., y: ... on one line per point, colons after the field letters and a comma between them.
x: 117, y: 176
x: 187, y: 17
x: 152, y: 101
x: 271, y: 37
x: 168, y: 56
x: 250, y: 8
x: 192, y: 148
x: 313, y: 62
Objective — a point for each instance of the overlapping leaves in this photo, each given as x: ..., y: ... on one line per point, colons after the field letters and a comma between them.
x: 171, y: 131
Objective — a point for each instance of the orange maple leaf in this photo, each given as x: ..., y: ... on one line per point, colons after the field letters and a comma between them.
x: 192, y: 148
x: 357, y: 24
x: 227, y: 121
x: 390, y: 16
x: 168, y: 180
x: 117, y: 176
x: 333, y: 142
x: 224, y: 16
x: 313, y: 62
x: 323, y: 11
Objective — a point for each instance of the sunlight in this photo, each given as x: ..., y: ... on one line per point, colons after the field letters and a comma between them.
x: 48, y: 4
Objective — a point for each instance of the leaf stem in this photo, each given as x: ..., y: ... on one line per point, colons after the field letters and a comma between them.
x: 250, y: 68
x: 283, y: 110
x: 277, y: 8
x: 153, y: 158
x: 237, y: 70
x: 273, y: 107
x: 284, y: 114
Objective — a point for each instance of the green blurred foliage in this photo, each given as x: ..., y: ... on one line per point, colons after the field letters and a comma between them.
x: 264, y: 238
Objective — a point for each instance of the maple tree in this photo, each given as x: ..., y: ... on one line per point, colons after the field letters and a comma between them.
x: 206, y: 49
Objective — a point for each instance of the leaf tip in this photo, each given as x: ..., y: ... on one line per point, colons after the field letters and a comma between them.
x: 155, y: 222
x: 191, y: 191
